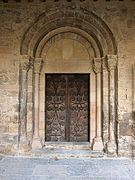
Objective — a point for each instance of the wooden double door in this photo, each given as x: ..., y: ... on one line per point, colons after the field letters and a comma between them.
x: 67, y: 107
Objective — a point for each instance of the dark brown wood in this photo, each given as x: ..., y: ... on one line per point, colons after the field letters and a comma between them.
x: 67, y: 107
x: 78, y: 107
x: 67, y: 137
x: 55, y: 108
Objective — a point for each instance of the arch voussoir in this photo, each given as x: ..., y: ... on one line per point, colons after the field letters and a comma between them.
x: 84, y: 20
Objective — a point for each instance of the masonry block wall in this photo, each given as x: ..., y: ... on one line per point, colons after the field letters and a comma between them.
x: 16, y: 18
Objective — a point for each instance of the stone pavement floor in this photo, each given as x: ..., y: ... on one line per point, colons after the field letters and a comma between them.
x: 24, y: 168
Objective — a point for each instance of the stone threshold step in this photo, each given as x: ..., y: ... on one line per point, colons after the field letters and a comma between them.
x: 58, y: 155
x: 66, y: 153
x: 67, y: 145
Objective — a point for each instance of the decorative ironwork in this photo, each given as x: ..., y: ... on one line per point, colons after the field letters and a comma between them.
x: 55, y: 108
x: 67, y: 108
x: 78, y: 107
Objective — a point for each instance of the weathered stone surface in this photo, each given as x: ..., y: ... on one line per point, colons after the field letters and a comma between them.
x: 68, y: 50
x: 66, y: 168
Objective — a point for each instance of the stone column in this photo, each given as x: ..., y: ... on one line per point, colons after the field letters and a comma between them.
x: 98, y: 143
x: 112, y: 64
x: 25, y: 65
x: 92, y: 107
x: 36, y: 144
x: 105, y: 102
x: 30, y: 103
x: 42, y: 107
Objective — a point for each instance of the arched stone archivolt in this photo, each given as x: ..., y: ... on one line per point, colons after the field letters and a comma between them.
x: 78, y: 18
x: 89, y: 30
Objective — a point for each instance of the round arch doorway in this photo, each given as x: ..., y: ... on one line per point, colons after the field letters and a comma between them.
x: 67, y: 69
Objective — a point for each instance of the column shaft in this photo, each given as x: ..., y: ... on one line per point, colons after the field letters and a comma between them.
x: 99, y: 105
x: 37, y: 144
x: 23, y: 109
x: 24, y: 144
x: 92, y: 107
x: 112, y: 106
x: 98, y: 143
x: 111, y: 145
x: 36, y: 107
x: 105, y: 103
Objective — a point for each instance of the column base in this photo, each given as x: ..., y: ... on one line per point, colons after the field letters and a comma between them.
x: 98, y: 144
x: 36, y: 144
x: 24, y: 145
x: 111, y: 148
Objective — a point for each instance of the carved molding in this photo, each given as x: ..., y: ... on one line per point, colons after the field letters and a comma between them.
x: 75, y: 17
x: 97, y: 65
x: 111, y: 61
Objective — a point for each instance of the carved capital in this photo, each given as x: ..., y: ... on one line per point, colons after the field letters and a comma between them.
x: 26, y: 62
x: 104, y: 64
x: 38, y: 65
x: 31, y: 62
x: 111, y: 62
x: 97, y: 65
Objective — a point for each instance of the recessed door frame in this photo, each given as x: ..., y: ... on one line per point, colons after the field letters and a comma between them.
x: 67, y: 77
